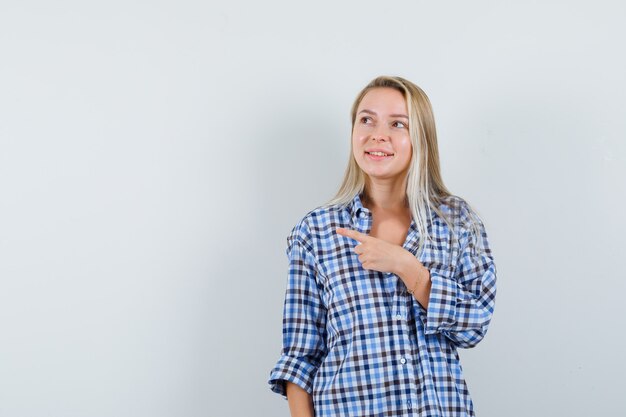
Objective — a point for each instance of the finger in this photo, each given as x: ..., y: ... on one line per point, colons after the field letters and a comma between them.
x: 358, y: 236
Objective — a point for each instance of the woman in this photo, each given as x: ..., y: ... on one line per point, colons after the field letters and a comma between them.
x: 388, y: 279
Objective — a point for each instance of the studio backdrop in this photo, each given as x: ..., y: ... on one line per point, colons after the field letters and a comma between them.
x: 154, y: 156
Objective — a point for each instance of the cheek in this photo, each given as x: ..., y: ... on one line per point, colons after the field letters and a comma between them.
x: 357, y: 135
x: 407, y: 150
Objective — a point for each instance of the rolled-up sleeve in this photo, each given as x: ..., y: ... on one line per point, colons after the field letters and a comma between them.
x: 462, y: 296
x: 304, y: 319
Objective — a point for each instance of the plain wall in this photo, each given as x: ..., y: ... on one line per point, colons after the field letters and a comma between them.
x: 155, y: 155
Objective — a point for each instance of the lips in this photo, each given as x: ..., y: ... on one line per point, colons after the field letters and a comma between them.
x: 378, y: 156
x: 379, y: 153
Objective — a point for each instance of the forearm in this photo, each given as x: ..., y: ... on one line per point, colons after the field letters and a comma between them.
x: 461, y: 313
x: 300, y: 401
x: 416, y: 277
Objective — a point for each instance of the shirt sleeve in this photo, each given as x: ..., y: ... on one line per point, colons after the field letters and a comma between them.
x: 462, y: 296
x: 304, y: 319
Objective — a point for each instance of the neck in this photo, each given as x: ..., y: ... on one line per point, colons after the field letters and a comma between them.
x: 385, y: 195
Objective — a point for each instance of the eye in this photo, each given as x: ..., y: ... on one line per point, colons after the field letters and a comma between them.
x: 366, y: 120
x: 399, y: 124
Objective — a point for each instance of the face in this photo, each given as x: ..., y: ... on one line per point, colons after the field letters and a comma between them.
x: 382, y: 125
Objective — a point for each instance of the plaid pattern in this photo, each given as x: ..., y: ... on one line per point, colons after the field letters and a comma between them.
x: 358, y: 342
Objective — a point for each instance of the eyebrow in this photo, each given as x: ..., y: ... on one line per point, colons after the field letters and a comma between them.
x: 391, y: 115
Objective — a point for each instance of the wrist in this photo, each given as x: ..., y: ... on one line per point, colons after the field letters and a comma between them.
x: 410, y: 269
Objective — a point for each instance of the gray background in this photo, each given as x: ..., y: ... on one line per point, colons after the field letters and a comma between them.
x: 155, y: 155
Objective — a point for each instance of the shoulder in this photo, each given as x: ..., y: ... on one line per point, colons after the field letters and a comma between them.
x: 468, y: 226
x: 459, y: 212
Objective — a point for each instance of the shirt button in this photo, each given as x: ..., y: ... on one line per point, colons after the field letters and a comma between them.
x: 403, y: 361
x: 399, y: 316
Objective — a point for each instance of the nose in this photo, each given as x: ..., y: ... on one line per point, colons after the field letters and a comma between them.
x: 378, y: 137
x: 380, y: 134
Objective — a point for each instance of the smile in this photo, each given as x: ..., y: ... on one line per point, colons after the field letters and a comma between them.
x: 377, y: 156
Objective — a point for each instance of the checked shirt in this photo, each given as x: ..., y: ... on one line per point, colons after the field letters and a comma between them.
x: 358, y: 342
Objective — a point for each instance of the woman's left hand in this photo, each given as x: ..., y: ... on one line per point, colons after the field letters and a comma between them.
x: 378, y: 254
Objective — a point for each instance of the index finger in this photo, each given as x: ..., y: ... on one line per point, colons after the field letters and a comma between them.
x: 356, y: 235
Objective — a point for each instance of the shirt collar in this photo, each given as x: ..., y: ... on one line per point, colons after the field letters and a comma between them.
x: 356, y: 209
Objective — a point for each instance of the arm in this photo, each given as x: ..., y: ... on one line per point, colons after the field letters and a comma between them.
x: 461, y: 298
x: 416, y: 278
x: 300, y: 402
x: 304, y: 324
x: 455, y: 301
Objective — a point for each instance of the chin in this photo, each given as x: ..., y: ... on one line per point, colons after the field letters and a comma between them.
x: 381, y: 175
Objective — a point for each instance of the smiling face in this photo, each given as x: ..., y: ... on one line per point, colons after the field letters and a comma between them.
x: 381, y: 143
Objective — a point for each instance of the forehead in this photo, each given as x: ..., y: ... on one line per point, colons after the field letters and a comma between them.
x: 383, y: 100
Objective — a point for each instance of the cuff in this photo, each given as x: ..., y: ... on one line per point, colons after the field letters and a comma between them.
x: 293, y: 370
x: 441, y: 313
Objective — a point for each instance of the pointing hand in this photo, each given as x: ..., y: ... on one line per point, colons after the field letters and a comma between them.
x: 376, y: 254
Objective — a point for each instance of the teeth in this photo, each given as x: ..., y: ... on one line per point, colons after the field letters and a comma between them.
x: 378, y: 153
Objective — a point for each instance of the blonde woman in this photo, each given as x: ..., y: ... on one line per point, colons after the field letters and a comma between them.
x: 387, y: 279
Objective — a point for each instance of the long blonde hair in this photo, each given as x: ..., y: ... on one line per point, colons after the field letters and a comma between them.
x: 425, y: 188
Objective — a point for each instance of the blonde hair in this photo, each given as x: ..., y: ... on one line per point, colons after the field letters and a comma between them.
x: 425, y: 188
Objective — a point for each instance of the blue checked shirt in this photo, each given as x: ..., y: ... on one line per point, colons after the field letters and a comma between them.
x: 358, y: 342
